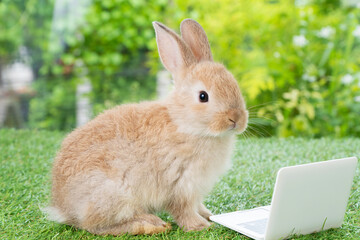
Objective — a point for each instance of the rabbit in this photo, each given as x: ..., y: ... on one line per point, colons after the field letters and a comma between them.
x: 112, y: 175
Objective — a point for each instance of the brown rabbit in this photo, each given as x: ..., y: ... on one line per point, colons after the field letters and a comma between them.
x: 134, y: 160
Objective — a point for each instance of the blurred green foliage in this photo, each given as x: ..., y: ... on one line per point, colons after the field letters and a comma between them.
x: 9, y: 39
x: 112, y: 49
x: 297, y: 63
x: 24, y: 23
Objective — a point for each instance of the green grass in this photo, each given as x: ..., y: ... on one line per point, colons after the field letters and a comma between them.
x: 25, y: 165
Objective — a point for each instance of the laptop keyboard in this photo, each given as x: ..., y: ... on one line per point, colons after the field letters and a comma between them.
x: 257, y: 226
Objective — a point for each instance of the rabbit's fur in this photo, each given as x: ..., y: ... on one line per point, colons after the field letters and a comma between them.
x: 131, y: 161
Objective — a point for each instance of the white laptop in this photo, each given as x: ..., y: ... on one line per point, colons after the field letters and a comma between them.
x: 307, y: 198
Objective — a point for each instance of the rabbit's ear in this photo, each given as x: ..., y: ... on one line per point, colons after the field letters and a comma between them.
x: 195, y: 36
x: 174, y: 53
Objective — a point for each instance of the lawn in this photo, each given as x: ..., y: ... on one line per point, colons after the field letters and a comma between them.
x: 25, y: 165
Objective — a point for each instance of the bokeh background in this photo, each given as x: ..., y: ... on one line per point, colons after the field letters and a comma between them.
x: 297, y: 62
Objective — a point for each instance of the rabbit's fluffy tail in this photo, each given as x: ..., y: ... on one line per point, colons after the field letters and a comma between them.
x: 54, y: 214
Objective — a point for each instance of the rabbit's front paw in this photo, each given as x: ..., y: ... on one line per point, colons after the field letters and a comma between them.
x: 192, y: 222
x: 198, y: 226
x: 204, y: 212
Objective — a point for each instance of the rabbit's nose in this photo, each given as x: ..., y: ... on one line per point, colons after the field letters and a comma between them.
x: 233, y: 123
x: 234, y: 115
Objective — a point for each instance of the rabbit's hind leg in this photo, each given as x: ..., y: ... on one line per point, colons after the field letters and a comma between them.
x: 140, y: 224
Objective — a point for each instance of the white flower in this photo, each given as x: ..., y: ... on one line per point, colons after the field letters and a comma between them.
x: 347, y: 79
x: 356, y: 32
x: 343, y: 26
x: 326, y: 32
x: 276, y: 55
x: 300, y: 40
x: 308, y: 78
x: 357, y: 99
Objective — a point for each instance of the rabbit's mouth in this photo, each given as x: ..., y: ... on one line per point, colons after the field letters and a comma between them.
x: 238, y: 127
x: 234, y: 120
x: 241, y: 124
x: 237, y: 119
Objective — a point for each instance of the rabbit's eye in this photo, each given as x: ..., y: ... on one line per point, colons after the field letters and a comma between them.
x: 203, y: 96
